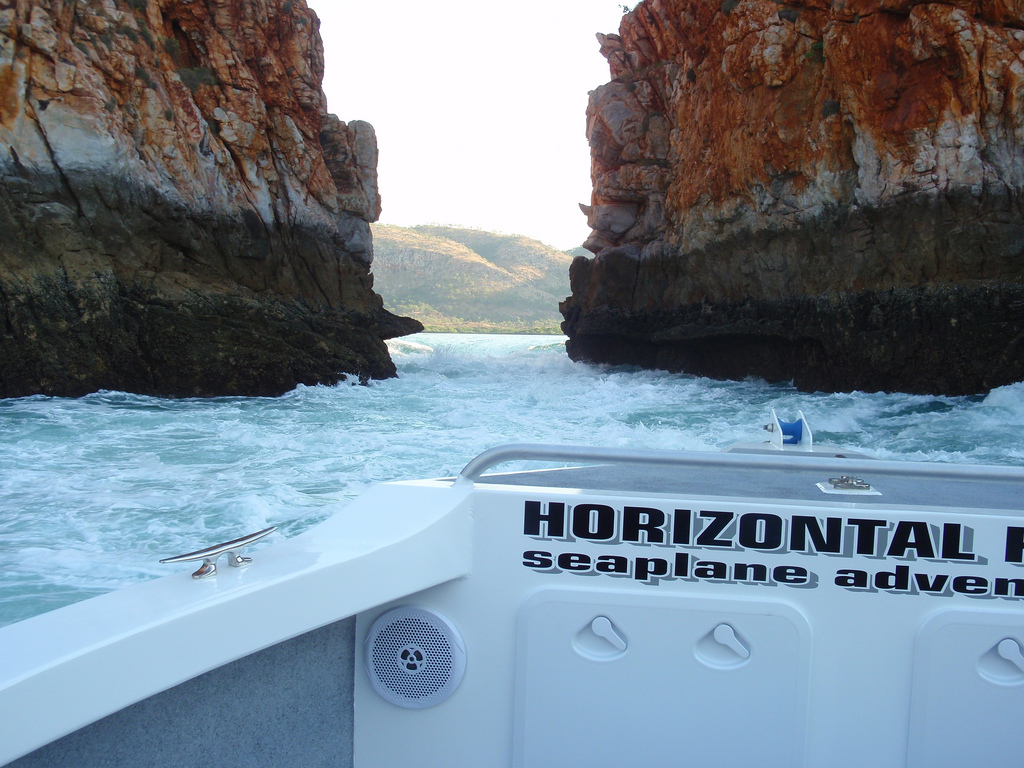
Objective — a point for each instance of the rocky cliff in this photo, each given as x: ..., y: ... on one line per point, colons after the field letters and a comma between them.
x: 180, y: 215
x: 824, y: 192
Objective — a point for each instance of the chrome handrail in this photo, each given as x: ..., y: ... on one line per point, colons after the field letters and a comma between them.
x: 587, y: 455
x: 209, y: 555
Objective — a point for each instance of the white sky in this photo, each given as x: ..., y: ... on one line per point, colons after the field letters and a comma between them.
x: 479, y: 106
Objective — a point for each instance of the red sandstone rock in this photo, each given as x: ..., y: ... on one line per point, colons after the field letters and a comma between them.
x: 814, y: 148
x: 180, y: 153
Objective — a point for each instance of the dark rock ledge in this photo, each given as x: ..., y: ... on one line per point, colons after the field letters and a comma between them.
x: 101, y: 334
x: 105, y: 302
x: 869, y: 341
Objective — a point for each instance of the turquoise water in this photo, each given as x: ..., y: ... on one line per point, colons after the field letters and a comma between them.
x: 94, y: 491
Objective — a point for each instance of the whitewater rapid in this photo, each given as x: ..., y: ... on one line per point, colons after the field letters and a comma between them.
x: 94, y: 491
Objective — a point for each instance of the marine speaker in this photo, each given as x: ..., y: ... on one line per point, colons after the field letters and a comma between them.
x: 415, y: 657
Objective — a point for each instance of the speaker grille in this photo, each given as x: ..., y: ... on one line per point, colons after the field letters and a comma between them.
x: 414, y: 657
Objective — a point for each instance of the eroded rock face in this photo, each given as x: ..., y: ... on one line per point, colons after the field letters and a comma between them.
x: 829, y: 192
x: 180, y: 215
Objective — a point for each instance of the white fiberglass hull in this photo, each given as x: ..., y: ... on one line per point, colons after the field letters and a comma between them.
x: 715, y: 609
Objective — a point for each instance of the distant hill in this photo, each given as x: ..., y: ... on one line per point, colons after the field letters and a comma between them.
x: 468, y: 280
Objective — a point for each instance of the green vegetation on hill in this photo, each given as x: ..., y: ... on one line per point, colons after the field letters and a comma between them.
x: 468, y: 280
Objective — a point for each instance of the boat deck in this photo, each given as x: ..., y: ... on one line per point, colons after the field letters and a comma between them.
x: 765, y: 484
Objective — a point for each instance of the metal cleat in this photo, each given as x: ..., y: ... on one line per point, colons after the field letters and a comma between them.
x: 210, y: 554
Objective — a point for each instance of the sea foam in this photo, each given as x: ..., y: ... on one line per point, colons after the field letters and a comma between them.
x: 94, y: 491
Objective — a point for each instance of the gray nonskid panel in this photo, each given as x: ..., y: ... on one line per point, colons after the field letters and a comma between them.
x: 287, y: 705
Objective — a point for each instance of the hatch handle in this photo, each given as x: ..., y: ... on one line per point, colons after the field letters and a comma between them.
x: 1009, y: 649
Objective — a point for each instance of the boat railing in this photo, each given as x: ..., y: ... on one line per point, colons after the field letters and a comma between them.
x: 581, y: 455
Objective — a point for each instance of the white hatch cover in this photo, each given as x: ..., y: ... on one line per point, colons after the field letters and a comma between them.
x: 624, y: 679
x: 968, y: 695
